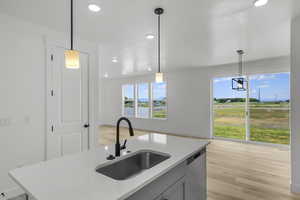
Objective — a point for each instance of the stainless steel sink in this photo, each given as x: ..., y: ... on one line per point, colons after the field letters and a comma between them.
x: 131, y: 165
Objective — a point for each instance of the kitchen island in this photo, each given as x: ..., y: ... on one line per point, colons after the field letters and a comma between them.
x: 74, y: 177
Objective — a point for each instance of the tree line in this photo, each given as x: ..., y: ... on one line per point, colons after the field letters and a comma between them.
x: 234, y: 100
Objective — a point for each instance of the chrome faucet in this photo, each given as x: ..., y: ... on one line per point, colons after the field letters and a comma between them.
x: 118, y: 146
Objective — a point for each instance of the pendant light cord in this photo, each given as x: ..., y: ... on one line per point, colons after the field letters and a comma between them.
x: 158, y: 11
x: 71, y: 24
x: 240, y: 52
x: 158, y: 44
x: 240, y: 65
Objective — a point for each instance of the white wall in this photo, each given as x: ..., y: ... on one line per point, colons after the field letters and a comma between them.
x: 189, y: 96
x: 295, y: 108
x: 22, y: 99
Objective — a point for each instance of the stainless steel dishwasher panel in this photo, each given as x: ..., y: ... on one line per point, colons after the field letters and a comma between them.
x: 196, y: 176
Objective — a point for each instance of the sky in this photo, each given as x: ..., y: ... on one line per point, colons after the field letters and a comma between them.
x: 159, y: 91
x: 272, y: 87
x: 128, y: 91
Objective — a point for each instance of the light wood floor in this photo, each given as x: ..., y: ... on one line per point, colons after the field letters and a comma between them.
x: 238, y: 171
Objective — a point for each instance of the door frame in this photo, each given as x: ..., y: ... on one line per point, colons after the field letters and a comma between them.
x: 247, y: 116
x: 93, y: 88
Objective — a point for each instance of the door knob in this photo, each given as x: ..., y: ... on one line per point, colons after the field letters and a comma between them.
x: 86, y: 125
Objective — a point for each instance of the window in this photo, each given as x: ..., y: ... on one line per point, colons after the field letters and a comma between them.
x: 159, y: 100
x: 265, y: 107
x: 145, y: 100
x: 128, y: 100
x: 143, y: 104
x: 229, y: 110
x: 269, y: 108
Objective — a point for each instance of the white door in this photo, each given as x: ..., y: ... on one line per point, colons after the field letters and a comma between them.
x: 67, y: 105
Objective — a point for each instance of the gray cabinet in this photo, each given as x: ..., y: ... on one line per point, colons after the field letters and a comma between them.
x: 156, y: 189
x: 159, y: 198
x: 176, y: 192
x: 196, y: 176
x: 186, y: 181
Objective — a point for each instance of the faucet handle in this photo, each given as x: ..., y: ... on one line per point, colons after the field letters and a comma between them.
x: 124, y: 145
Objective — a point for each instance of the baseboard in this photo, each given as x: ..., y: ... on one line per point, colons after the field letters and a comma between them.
x: 295, y: 188
x: 13, y: 192
x: 99, y: 123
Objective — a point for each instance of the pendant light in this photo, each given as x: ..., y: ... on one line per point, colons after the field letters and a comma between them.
x: 159, y: 75
x: 239, y: 83
x: 259, y: 3
x: 71, y: 55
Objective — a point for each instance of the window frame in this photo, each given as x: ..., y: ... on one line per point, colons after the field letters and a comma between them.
x: 137, y: 100
x: 134, y: 100
x: 150, y: 95
x: 247, y: 125
x: 165, y: 118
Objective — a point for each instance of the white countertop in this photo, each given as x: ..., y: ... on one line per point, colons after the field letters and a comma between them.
x: 74, y: 177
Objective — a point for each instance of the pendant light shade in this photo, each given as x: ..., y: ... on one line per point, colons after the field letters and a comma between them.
x: 259, y: 3
x: 159, y: 77
x: 72, y: 60
x: 239, y: 84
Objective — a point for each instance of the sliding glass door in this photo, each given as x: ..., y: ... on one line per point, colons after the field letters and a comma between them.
x: 229, y: 110
x: 260, y: 114
x: 270, y: 108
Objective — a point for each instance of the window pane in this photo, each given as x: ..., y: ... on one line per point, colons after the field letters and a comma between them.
x: 229, y: 110
x: 159, y: 101
x: 270, y: 108
x: 143, y: 109
x: 128, y: 100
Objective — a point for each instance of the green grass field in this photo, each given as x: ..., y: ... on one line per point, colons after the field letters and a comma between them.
x: 160, y: 114
x: 269, y: 122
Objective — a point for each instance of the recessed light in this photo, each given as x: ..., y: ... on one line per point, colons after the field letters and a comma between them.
x: 94, y: 8
x: 259, y: 3
x: 149, y: 69
x: 106, y: 75
x: 114, y: 60
x: 150, y: 36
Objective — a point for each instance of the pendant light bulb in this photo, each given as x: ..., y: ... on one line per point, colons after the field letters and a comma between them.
x: 72, y: 59
x: 159, y: 77
x: 72, y: 56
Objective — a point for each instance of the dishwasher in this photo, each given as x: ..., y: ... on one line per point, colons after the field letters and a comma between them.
x: 196, y: 176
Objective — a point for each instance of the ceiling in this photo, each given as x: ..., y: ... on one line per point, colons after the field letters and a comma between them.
x: 195, y: 33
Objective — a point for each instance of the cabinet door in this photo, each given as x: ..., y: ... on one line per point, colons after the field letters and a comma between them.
x: 176, y: 192
x: 158, y: 198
